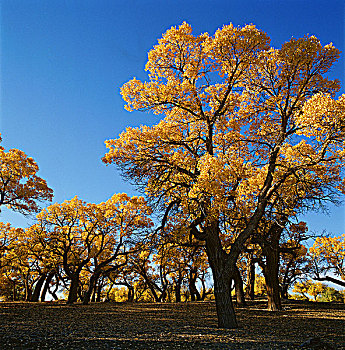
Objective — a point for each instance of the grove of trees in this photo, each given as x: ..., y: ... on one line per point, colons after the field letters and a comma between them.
x: 250, y: 138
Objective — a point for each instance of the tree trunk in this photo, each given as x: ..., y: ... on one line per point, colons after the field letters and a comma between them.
x: 240, y: 299
x: 99, y: 290
x: 88, y: 293
x: 73, y: 289
x: 28, y: 291
x: 178, y: 290
x: 221, y: 277
x: 130, y: 294
x: 271, y: 270
x: 46, y: 285
x: 224, y: 306
x: 194, y: 293
x: 38, y: 287
x: 250, y: 286
x: 284, y: 291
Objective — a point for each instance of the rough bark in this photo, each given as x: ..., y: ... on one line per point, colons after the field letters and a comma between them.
x: 222, y: 279
x: 271, y: 270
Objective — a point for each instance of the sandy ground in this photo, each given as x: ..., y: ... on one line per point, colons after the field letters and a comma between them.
x: 50, y: 325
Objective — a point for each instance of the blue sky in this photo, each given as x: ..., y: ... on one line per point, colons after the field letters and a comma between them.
x: 63, y: 63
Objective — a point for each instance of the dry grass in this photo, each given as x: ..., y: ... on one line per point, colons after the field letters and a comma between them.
x: 168, y: 326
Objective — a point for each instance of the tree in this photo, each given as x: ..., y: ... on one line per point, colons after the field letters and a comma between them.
x: 20, y: 187
x: 309, y: 288
x: 295, y: 262
x: 88, y: 239
x: 328, y: 255
x: 243, y: 124
x: 118, y: 223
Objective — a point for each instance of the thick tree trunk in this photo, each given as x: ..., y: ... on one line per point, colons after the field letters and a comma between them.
x: 222, y: 279
x: 38, y: 287
x: 240, y: 299
x: 224, y: 306
x: 270, y: 271
x: 46, y: 285
x: 250, y: 286
x: 178, y: 290
x: 73, y: 289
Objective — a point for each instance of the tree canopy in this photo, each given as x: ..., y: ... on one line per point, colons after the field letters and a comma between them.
x: 20, y: 187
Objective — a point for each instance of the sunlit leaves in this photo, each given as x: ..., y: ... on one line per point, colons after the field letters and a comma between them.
x: 20, y: 187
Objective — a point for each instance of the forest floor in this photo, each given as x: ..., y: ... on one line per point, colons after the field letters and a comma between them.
x: 53, y: 325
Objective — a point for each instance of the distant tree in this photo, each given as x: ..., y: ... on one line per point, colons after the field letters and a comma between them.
x: 91, y: 237
x: 20, y: 188
x: 330, y: 294
x: 328, y: 256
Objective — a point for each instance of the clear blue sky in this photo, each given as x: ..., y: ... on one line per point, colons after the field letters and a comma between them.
x: 63, y: 62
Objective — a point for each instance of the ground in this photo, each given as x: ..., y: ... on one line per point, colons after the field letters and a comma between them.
x: 301, y: 325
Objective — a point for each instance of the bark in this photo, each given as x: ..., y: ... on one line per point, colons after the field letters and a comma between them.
x: 271, y: 270
x: 38, y: 287
x: 250, y: 287
x: 224, y: 306
x: 240, y: 299
x: 73, y: 289
x: 222, y: 279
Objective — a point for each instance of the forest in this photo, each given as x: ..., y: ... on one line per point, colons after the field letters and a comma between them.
x: 250, y: 138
